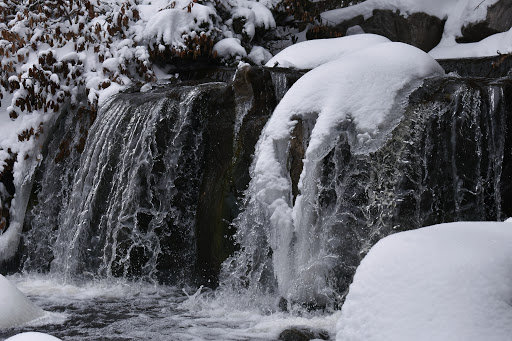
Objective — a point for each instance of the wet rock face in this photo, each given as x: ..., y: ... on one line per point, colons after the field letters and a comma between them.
x: 448, y: 160
x: 418, y: 29
x: 174, y: 166
x: 499, y: 19
x: 489, y: 67
x: 247, y: 106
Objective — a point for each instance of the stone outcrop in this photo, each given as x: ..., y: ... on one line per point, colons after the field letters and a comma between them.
x: 499, y: 19
x: 419, y: 29
x: 303, y: 334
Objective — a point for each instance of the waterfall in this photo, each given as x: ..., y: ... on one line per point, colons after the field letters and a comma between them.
x: 131, y: 205
x: 443, y: 162
x: 160, y: 189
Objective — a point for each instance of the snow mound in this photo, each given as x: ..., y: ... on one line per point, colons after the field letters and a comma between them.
x: 444, y: 282
x: 499, y: 43
x: 32, y: 336
x: 363, y: 91
x: 310, y: 54
x: 16, y: 309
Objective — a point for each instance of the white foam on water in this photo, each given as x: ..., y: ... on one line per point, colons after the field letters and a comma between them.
x: 124, y: 309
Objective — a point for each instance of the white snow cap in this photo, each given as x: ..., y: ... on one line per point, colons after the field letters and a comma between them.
x: 15, y: 309
x: 170, y: 25
x: 312, y: 53
x: 229, y: 47
x: 444, y: 282
x: 259, y: 55
x: 32, y: 336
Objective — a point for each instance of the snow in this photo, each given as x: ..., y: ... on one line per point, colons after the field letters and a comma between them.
x: 259, y: 55
x: 499, y: 43
x: 172, y: 25
x: 365, y: 89
x: 229, y: 47
x: 16, y: 308
x: 467, y: 10
x: 312, y: 53
x: 444, y: 282
x: 32, y: 336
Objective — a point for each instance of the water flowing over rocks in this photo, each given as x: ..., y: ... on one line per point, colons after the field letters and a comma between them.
x: 154, y: 189
x: 152, y: 192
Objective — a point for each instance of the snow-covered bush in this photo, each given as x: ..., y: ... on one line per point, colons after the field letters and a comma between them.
x: 184, y: 29
x: 55, y: 55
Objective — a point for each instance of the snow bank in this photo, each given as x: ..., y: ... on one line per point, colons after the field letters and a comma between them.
x: 15, y: 309
x: 445, y: 282
x: 310, y: 54
x: 364, y: 89
x: 500, y: 43
x: 32, y: 336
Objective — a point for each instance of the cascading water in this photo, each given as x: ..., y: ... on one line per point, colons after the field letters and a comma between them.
x: 129, y: 210
x: 152, y: 192
x: 444, y: 162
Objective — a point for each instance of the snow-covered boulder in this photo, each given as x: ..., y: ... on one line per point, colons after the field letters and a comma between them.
x: 444, y: 282
x: 15, y: 309
x: 361, y: 92
x: 499, y: 43
x: 421, y: 23
x: 312, y: 53
x: 497, y: 20
x: 32, y: 336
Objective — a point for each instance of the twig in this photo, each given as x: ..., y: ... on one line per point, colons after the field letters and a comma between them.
x: 479, y: 5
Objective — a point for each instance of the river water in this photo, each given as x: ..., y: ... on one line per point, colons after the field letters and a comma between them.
x: 121, y: 310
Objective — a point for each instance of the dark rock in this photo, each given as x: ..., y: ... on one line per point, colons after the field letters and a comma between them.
x: 499, y: 19
x: 298, y: 145
x: 448, y: 160
x: 491, y: 67
x: 282, y: 304
x: 418, y: 29
x: 303, y: 334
